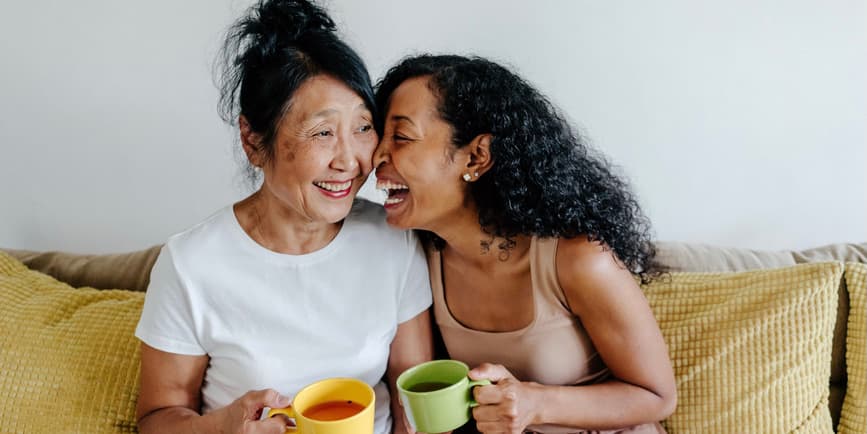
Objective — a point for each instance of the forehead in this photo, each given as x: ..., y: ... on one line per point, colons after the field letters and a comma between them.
x: 324, y: 94
x: 413, y: 99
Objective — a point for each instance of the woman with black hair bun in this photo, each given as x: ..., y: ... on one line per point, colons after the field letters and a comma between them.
x: 534, y: 250
x: 280, y: 290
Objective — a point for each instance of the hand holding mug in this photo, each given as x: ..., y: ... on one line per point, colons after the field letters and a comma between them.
x: 508, y: 405
x: 437, y: 395
x: 242, y: 415
x: 331, y: 406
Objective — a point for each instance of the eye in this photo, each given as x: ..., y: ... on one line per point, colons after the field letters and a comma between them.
x: 399, y: 138
x: 365, y: 128
x: 324, y: 133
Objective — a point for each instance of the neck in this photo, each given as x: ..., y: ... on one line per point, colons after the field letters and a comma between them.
x: 279, y: 228
x: 468, y: 242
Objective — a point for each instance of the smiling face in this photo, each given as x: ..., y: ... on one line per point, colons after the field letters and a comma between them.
x: 322, y: 152
x: 416, y: 162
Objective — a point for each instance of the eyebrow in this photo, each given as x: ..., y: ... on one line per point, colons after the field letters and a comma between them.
x: 323, y: 113
x: 331, y: 111
x: 396, y: 118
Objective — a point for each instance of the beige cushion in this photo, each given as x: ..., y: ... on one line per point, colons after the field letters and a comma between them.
x: 751, y: 350
x: 853, y: 418
x: 675, y: 256
x: 122, y: 270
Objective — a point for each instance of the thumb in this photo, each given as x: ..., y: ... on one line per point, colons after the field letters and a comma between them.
x: 266, y: 398
x: 492, y: 372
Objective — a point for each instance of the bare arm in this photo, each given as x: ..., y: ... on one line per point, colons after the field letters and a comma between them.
x: 412, y: 345
x: 618, y: 319
x: 621, y: 325
x: 170, y: 399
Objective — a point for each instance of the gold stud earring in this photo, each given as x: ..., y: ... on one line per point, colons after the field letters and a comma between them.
x: 467, y: 177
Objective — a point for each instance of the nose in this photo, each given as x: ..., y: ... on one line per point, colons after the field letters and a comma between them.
x: 344, y: 158
x: 382, y: 153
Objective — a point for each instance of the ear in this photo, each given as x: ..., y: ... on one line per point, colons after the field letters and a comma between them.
x: 251, y: 142
x: 479, y: 156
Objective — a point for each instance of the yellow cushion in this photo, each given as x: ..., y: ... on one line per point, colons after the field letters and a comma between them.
x: 751, y: 350
x: 69, y: 361
x: 853, y: 417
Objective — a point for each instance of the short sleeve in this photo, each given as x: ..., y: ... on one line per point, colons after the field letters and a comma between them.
x: 167, y: 319
x: 415, y: 296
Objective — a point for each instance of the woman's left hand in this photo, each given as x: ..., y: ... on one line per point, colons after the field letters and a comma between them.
x: 507, y: 405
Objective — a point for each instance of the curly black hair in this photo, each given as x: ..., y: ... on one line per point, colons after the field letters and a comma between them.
x: 545, y: 180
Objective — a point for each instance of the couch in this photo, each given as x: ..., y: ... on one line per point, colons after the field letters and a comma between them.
x: 761, y: 341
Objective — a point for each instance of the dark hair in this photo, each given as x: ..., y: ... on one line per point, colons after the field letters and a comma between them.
x: 545, y: 180
x: 270, y: 51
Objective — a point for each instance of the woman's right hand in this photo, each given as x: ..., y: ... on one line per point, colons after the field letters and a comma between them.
x: 242, y: 416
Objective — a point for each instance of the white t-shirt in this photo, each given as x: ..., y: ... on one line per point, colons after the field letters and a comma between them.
x: 270, y: 320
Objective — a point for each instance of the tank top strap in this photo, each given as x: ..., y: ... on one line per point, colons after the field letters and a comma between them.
x: 543, y: 260
x: 435, y: 271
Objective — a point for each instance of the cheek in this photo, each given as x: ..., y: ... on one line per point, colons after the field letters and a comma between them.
x: 366, y: 148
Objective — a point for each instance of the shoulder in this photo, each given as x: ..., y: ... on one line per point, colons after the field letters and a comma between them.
x: 580, y: 256
x: 205, y: 236
x: 588, y: 270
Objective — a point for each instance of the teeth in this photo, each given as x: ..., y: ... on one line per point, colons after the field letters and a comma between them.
x: 388, y: 185
x: 332, y: 186
x: 393, y: 200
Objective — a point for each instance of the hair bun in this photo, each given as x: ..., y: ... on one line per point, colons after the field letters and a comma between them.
x: 272, y: 25
x: 291, y: 20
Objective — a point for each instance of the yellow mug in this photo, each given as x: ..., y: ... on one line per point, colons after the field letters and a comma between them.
x: 331, y: 406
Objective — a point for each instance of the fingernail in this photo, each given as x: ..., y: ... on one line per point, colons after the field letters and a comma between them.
x: 283, y: 400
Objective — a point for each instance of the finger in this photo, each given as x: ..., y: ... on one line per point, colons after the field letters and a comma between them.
x: 286, y: 420
x: 486, y: 413
x: 489, y: 371
x: 490, y: 427
x: 409, y: 428
x: 488, y: 394
x: 257, y: 399
x: 274, y: 425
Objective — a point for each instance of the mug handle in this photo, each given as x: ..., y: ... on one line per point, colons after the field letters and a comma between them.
x: 474, y: 383
x: 288, y: 411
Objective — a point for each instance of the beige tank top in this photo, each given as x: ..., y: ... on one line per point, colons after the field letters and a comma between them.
x: 554, y: 349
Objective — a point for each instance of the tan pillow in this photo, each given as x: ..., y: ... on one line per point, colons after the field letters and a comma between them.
x: 109, y: 271
x: 68, y: 359
x: 751, y: 350
x: 853, y: 417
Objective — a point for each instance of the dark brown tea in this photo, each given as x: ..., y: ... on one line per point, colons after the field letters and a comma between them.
x: 428, y: 386
x: 333, y: 410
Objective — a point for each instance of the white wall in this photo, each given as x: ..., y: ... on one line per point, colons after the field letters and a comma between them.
x: 740, y: 123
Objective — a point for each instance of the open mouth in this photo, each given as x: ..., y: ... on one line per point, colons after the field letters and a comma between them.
x: 395, y: 191
x: 335, y: 189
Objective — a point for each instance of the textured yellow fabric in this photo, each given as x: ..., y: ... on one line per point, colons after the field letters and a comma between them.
x: 751, y: 350
x: 69, y: 362
x: 853, y: 417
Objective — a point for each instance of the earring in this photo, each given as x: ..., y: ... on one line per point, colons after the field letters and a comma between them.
x: 467, y: 177
x: 476, y: 174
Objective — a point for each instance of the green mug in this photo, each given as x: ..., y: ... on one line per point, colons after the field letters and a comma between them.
x: 437, y: 395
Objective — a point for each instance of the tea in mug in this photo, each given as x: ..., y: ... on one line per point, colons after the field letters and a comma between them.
x: 428, y: 386
x: 333, y: 410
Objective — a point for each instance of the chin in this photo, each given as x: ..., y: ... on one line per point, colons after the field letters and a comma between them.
x: 336, y: 212
x: 395, y: 222
x: 401, y: 221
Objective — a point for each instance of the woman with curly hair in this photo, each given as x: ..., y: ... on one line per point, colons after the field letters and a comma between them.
x: 533, y: 249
